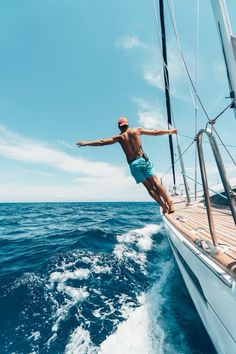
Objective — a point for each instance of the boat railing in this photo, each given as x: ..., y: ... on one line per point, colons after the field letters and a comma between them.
x: 223, y: 175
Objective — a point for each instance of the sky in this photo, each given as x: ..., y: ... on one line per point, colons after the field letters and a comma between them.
x: 70, y: 69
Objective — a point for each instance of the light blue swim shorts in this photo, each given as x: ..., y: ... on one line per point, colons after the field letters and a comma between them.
x: 141, y: 169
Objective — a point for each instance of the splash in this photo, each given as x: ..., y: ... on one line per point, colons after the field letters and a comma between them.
x: 80, y: 343
x: 142, y: 331
x: 135, y: 244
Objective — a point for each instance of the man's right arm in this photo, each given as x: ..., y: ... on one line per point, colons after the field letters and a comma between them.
x: 100, y: 142
x: 155, y: 132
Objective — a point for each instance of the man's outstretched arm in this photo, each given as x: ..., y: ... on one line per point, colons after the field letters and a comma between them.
x: 100, y: 142
x: 156, y: 131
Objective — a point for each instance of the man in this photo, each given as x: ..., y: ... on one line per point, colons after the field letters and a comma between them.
x: 140, y: 166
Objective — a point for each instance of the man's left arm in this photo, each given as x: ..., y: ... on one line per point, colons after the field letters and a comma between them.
x: 155, y: 132
x: 100, y: 142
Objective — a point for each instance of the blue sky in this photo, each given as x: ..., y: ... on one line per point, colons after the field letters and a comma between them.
x: 69, y: 69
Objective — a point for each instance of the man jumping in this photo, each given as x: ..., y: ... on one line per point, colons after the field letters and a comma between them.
x: 140, y: 166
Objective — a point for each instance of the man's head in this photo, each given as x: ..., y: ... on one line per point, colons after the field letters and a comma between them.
x: 123, y: 123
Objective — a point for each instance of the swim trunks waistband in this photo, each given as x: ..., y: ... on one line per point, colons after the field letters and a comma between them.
x: 136, y: 158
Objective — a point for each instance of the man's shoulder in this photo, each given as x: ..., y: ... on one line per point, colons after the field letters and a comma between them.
x: 135, y: 130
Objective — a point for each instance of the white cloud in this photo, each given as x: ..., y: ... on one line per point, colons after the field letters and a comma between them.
x: 88, y: 189
x: 154, y: 76
x: 129, y: 42
x: 152, y: 69
x: 65, y: 144
x: 101, y: 181
x: 16, y: 147
x: 81, y: 189
x: 212, y: 169
x: 150, y: 116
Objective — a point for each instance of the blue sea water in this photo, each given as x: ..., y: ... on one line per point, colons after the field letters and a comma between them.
x: 92, y: 278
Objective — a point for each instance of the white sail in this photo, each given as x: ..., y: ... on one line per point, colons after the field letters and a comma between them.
x: 228, y: 41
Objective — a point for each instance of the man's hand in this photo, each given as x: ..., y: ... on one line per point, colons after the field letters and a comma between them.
x: 173, y: 131
x: 80, y: 143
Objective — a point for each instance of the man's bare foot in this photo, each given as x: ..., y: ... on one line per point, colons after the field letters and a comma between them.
x: 165, y: 210
x: 171, y: 208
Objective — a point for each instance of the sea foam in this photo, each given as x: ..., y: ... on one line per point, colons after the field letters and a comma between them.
x: 141, y: 332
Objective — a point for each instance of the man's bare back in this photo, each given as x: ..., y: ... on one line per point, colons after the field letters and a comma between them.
x: 130, y: 141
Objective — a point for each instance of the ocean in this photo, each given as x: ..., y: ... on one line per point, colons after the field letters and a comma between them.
x: 86, y: 278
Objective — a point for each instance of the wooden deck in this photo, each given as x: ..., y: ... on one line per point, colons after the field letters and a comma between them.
x: 192, y: 222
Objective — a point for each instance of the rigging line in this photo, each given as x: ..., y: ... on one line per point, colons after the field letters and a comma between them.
x: 160, y: 47
x: 218, y: 115
x: 159, y: 36
x: 165, y: 66
x: 185, y: 65
x: 178, y: 158
x: 166, y: 79
x: 188, y: 83
x: 205, y: 141
x: 212, y: 121
x: 157, y: 28
x: 212, y: 190
x: 159, y: 40
x: 183, y: 59
x: 163, y: 62
x: 224, y: 146
x: 196, y: 107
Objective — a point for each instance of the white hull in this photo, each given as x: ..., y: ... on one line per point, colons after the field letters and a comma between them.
x: 212, y: 290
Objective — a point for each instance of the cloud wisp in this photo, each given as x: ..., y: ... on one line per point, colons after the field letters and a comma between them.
x: 131, y: 41
x: 150, y: 116
x: 152, y: 68
x: 16, y: 147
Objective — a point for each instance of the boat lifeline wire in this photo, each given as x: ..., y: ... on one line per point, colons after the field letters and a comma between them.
x: 166, y: 83
x: 190, y: 79
x: 171, y: 12
x: 172, y: 17
x: 196, y: 105
x: 212, y: 190
x: 205, y: 141
x: 167, y: 88
x: 165, y: 173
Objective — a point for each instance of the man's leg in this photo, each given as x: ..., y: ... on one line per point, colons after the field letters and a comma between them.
x: 161, y: 190
x: 154, y: 194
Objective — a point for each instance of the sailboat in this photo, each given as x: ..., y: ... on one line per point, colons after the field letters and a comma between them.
x: 202, y: 232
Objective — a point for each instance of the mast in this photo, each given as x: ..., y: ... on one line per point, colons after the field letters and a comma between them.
x: 228, y: 42
x: 168, y: 105
x: 166, y: 81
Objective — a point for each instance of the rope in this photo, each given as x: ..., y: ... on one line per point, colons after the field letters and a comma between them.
x: 225, y: 147
x: 193, y: 86
x: 183, y: 59
x: 212, y: 190
x: 159, y: 40
x: 178, y: 158
x: 212, y: 121
x: 196, y: 108
x: 205, y: 141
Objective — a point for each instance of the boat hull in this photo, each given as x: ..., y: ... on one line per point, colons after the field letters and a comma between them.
x: 212, y: 292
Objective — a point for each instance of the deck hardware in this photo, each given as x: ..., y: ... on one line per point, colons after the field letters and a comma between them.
x: 223, y: 175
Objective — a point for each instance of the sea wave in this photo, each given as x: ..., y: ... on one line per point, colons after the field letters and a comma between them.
x: 91, y: 278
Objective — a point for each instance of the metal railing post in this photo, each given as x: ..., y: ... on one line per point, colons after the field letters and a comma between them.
x: 205, y: 187
x: 183, y: 174
x: 224, y: 178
